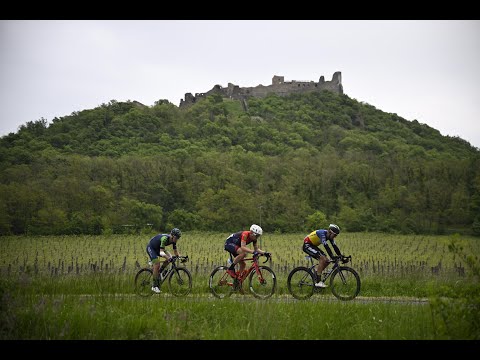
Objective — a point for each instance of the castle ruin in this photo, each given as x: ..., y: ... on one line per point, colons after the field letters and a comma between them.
x: 279, y: 86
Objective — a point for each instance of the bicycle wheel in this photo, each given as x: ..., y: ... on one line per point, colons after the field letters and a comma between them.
x: 345, y: 283
x: 143, y: 282
x: 220, y: 283
x: 301, y: 283
x: 262, y: 284
x: 180, y: 282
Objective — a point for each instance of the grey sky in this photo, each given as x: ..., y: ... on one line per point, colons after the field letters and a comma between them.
x: 424, y: 70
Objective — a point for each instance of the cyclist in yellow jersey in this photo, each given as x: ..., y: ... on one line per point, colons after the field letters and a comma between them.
x: 311, y: 243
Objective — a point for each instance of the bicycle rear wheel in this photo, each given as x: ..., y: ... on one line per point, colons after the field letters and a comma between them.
x: 143, y: 282
x: 345, y: 283
x: 180, y: 282
x: 220, y: 283
x: 301, y: 283
x: 262, y: 284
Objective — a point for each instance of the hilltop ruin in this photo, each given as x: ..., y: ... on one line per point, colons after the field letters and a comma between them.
x: 279, y: 86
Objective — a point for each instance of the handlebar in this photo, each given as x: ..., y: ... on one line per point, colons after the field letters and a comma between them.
x: 344, y: 259
x: 181, y: 258
x: 267, y: 255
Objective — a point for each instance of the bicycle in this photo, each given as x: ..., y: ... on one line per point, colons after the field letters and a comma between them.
x: 262, y: 281
x: 179, y: 279
x: 344, y: 281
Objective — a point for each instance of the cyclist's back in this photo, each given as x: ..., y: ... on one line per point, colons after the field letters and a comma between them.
x: 160, y: 241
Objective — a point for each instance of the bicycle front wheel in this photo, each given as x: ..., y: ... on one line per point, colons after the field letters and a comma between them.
x: 262, y: 284
x: 180, y: 282
x: 220, y: 283
x: 301, y: 283
x: 345, y: 283
x: 143, y: 282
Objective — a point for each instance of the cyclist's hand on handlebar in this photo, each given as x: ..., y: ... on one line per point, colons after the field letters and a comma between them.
x: 256, y: 253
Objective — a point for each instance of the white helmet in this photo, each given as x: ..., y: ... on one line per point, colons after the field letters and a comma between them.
x: 257, y: 230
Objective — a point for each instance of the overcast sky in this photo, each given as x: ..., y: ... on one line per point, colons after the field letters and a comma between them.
x: 423, y: 70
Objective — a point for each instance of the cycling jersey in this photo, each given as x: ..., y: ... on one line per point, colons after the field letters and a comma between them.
x: 240, y: 236
x: 318, y: 237
x: 234, y: 241
x: 160, y: 241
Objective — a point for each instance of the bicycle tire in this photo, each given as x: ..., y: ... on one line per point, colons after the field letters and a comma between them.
x: 345, y: 283
x: 301, y: 283
x: 143, y: 282
x: 264, y: 285
x: 180, y: 282
x: 220, y: 283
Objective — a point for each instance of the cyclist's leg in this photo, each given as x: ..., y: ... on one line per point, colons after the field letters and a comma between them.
x: 232, y: 249
x: 318, y: 254
x: 166, y: 255
x: 322, y: 264
x: 239, y: 260
x: 154, y: 258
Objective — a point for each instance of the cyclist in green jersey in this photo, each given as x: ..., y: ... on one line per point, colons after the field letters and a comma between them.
x: 156, y: 249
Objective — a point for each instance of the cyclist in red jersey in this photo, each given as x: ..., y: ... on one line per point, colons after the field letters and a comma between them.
x: 311, y: 243
x: 236, y: 244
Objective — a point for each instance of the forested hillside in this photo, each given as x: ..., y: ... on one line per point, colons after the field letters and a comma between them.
x: 290, y: 163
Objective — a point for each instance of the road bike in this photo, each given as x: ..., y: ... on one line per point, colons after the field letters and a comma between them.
x: 344, y: 281
x: 179, y: 278
x: 262, y: 281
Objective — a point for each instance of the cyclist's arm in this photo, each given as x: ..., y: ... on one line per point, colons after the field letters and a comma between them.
x: 165, y: 254
x: 244, y: 247
x: 243, y: 243
x: 257, y: 249
x: 163, y: 243
x: 174, y: 245
x: 337, y: 250
x: 329, y: 251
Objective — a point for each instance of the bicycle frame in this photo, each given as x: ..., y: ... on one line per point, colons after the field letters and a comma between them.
x: 262, y: 284
x: 179, y: 278
x: 168, y: 269
x: 254, y: 266
x: 326, y: 272
x: 344, y: 281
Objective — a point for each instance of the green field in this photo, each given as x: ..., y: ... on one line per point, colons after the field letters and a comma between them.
x: 81, y: 287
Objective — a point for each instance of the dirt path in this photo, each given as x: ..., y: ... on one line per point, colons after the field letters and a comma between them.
x: 278, y: 298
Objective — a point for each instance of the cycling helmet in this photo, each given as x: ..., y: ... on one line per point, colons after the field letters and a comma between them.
x: 257, y: 230
x: 176, y: 232
x: 334, y: 228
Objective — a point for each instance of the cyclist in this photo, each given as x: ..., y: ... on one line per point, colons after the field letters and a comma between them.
x: 236, y: 244
x: 156, y: 249
x: 311, y: 243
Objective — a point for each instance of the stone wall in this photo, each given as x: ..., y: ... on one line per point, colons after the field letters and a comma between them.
x: 279, y: 86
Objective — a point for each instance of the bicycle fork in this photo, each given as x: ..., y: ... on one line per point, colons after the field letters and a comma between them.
x: 261, y: 279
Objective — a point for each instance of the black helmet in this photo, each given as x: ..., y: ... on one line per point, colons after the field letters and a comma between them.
x: 176, y: 232
x: 334, y: 228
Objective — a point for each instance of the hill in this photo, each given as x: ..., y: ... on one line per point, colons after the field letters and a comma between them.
x: 290, y: 163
